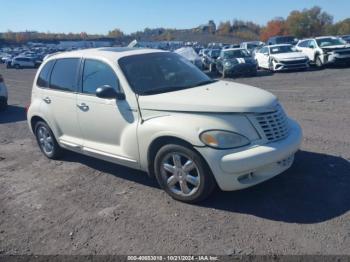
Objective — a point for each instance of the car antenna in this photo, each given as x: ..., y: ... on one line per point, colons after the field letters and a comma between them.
x: 138, y: 107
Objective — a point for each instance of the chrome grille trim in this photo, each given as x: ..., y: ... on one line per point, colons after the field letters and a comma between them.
x: 273, y: 125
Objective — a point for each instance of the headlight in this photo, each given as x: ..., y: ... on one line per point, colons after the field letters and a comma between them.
x: 221, y: 139
x: 228, y: 64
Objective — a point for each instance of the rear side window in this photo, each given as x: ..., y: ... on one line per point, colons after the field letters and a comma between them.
x: 44, y: 76
x: 97, y: 74
x: 64, y: 74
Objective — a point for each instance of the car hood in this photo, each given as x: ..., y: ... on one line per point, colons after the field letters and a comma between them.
x: 335, y: 47
x: 289, y: 56
x: 242, y: 60
x: 220, y: 96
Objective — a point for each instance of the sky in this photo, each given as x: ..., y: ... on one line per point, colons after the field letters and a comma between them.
x: 100, y: 16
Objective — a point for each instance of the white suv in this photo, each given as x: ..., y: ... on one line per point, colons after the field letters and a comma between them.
x: 155, y: 111
x: 325, y: 50
x: 3, y: 94
x: 23, y: 62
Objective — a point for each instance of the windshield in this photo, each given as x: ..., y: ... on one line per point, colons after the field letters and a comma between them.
x: 215, y: 53
x: 162, y: 72
x: 282, y: 49
x: 322, y: 42
x: 236, y: 54
x: 284, y: 39
x: 252, y: 46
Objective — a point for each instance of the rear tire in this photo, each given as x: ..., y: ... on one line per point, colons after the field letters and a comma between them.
x: 47, y: 141
x: 3, y: 105
x: 183, y: 173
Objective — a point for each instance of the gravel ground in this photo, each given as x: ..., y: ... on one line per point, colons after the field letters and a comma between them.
x: 81, y: 205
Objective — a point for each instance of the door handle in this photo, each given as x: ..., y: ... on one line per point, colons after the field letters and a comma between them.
x: 83, y: 107
x: 47, y: 100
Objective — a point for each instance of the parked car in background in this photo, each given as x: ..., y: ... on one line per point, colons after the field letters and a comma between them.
x: 3, y: 94
x: 191, y: 55
x: 346, y: 38
x: 203, y: 52
x: 231, y: 46
x: 325, y: 50
x: 252, y: 46
x: 23, y: 62
x: 281, y: 57
x: 209, y: 60
x: 169, y: 119
x: 282, y: 39
x: 236, y: 61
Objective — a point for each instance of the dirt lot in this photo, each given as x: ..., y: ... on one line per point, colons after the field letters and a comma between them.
x: 85, y: 206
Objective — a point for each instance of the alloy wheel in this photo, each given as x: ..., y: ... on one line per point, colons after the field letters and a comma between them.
x: 45, y: 140
x: 180, y: 174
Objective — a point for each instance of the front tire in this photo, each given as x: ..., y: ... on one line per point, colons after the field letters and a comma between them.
x: 47, y: 141
x: 3, y: 105
x: 271, y: 66
x: 318, y: 62
x: 183, y: 173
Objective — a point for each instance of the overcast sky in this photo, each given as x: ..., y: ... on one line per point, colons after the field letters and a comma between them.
x: 100, y: 16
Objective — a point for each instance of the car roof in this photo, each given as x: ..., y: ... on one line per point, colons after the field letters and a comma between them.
x: 278, y: 45
x: 110, y: 53
x: 231, y: 49
x: 323, y: 37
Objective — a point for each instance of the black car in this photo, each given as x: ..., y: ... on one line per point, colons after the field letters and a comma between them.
x: 346, y: 38
x: 236, y: 61
x: 282, y: 39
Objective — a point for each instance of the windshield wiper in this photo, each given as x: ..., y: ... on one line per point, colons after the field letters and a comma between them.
x: 174, y: 88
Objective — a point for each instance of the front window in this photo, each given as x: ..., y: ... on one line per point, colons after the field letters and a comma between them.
x: 156, y: 73
x: 329, y: 41
x: 282, y: 49
x: 236, y: 54
x: 97, y: 74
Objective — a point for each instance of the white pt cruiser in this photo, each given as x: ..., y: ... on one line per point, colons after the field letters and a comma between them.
x: 153, y: 110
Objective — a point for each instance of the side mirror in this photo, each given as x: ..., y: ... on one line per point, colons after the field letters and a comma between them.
x: 109, y: 92
x: 266, y: 54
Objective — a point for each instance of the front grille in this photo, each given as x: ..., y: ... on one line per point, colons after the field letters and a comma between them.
x: 294, y: 62
x: 274, y: 125
x: 346, y: 52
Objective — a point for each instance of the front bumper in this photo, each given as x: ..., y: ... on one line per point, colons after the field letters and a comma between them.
x: 237, y: 170
x: 241, y: 69
x: 281, y: 66
x: 336, y: 59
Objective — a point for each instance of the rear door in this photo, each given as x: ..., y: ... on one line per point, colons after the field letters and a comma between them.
x: 59, y: 101
x: 109, y: 126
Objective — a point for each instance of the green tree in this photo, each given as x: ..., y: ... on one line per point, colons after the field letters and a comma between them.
x: 309, y: 22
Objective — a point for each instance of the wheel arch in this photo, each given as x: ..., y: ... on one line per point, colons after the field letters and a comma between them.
x: 161, y: 141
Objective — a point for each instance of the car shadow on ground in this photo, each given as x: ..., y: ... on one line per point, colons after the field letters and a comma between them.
x: 260, y: 73
x: 314, y: 189
x: 13, y: 114
x: 112, y: 169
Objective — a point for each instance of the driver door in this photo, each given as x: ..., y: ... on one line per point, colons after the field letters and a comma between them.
x: 263, y: 57
x: 108, y: 125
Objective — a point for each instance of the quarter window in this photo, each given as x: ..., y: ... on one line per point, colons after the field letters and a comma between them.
x: 64, y: 73
x: 44, y: 76
x: 97, y: 74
